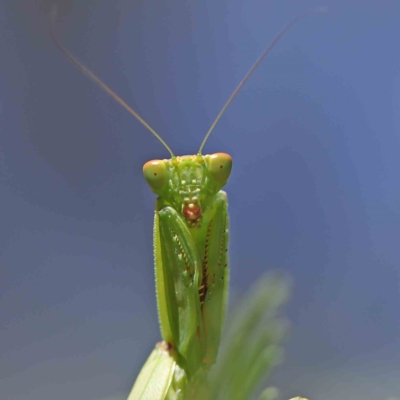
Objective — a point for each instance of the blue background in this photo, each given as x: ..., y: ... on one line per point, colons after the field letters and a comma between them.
x: 314, y: 191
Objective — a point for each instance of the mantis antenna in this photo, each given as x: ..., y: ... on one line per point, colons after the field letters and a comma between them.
x: 277, y: 38
x: 123, y: 103
x: 100, y: 83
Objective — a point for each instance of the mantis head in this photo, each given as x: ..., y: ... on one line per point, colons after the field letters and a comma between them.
x: 189, y: 183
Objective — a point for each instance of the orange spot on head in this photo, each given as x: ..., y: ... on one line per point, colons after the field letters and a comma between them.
x: 191, y: 211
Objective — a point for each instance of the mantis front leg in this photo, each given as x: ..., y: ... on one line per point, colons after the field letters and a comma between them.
x: 191, y: 279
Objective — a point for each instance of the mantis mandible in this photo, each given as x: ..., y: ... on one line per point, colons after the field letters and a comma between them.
x: 191, y: 261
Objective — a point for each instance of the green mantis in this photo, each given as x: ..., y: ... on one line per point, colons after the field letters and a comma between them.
x: 190, y: 247
x: 191, y: 237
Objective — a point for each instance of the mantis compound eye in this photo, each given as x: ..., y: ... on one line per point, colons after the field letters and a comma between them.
x: 156, y: 174
x: 220, y: 166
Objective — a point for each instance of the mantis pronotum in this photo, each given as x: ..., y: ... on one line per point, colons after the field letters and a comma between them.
x: 191, y: 261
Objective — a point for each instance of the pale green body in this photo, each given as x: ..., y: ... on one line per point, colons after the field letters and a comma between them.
x: 191, y: 269
x: 191, y: 261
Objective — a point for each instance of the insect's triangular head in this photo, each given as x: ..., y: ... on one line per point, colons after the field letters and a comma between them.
x: 189, y: 183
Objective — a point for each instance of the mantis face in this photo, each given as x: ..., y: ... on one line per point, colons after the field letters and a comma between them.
x: 189, y: 183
